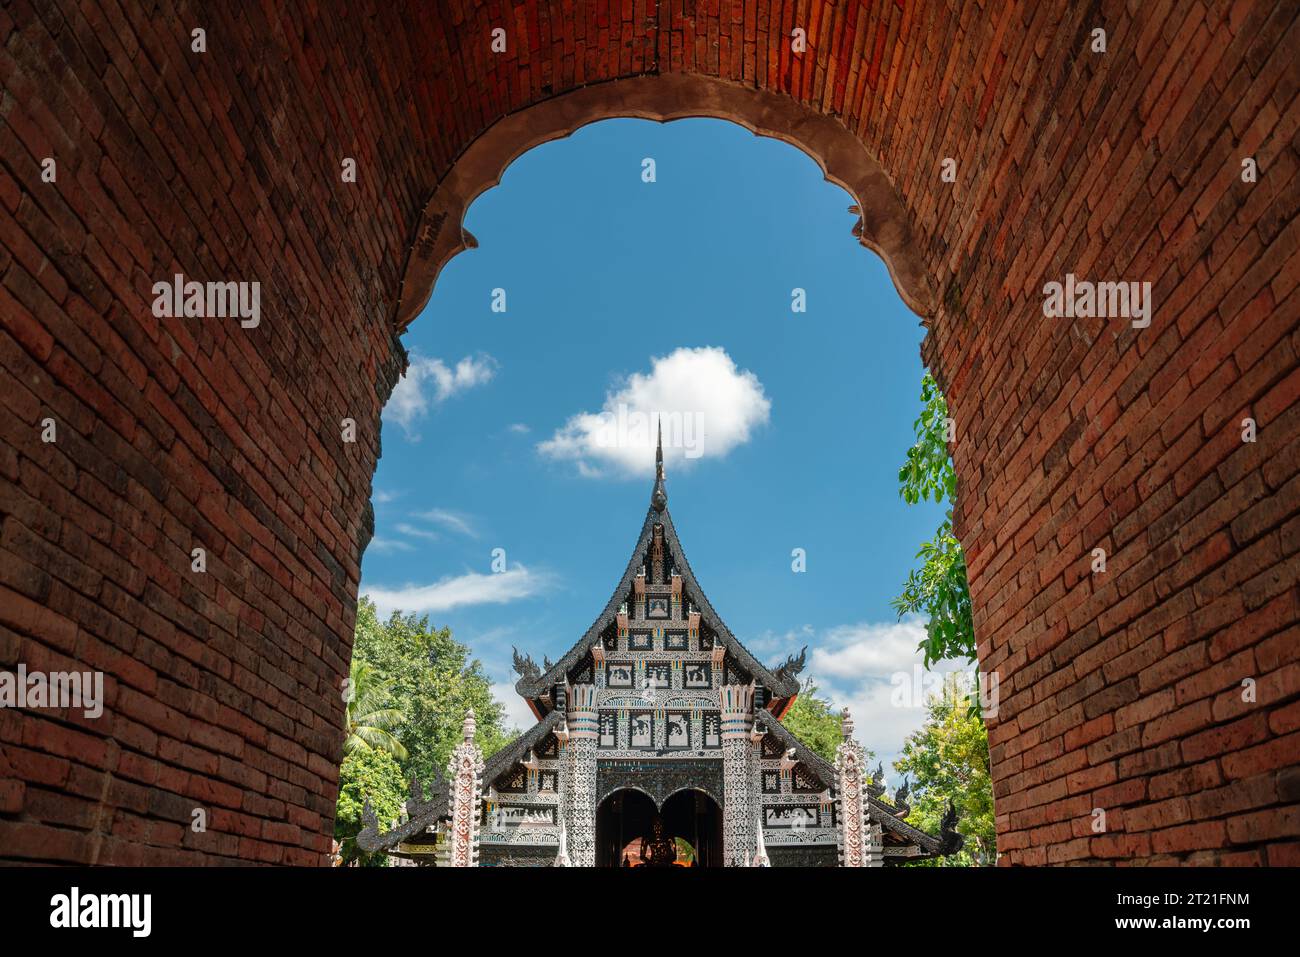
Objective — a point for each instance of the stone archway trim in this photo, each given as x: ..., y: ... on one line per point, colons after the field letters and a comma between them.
x: 619, y: 789
x: 692, y: 787
x: 659, y: 800
x: 843, y: 158
x: 659, y: 780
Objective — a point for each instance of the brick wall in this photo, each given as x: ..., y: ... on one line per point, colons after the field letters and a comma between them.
x: 1123, y: 691
x: 1120, y: 691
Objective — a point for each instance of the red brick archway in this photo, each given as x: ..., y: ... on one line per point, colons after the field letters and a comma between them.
x: 884, y: 226
x: 1120, y: 691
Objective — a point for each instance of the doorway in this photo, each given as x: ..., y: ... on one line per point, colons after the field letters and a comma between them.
x: 632, y: 831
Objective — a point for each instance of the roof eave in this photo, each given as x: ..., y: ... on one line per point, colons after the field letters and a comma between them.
x: 780, y: 687
x: 370, y: 840
x: 883, y: 814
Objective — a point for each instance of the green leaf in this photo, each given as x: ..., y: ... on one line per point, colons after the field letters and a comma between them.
x: 938, y: 589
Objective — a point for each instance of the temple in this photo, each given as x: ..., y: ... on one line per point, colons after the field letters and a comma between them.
x: 658, y: 742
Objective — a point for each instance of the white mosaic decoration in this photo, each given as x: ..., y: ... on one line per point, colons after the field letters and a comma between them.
x: 856, y: 841
x: 465, y: 771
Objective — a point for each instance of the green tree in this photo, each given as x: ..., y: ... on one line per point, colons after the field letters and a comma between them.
x: 367, y: 774
x: 369, y: 715
x: 938, y: 589
x: 948, y: 760
x: 433, y: 682
x: 811, y: 720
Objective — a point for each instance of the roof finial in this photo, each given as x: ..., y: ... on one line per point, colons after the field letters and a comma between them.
x: 659, y: 497
x: 562, y: 858
x: 760, y: 852
x: 659, y: 451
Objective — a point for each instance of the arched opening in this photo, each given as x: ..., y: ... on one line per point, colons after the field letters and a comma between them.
x: 632, y: 831
x: 817, y: 369
x: 886, y: 222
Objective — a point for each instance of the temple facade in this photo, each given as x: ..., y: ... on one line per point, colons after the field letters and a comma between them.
x: 658, y: 742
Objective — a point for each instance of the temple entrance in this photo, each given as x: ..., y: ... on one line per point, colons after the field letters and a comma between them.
x: 632, y: 832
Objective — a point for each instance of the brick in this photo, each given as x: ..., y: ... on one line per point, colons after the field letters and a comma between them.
x: 1188, y: 837
x: 1234, y: 798
x: 1276, y: 753
x: 1267, y: 825
x: 1227, y: 738
x: 11, y: 796
x: 28, y: 841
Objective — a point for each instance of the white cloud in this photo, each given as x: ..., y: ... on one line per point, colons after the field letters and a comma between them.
x: 707, y: 406
x: 382, y: 497
x: 448, y: 520
x: 519, y: 428
x: 407, y: 529
x: 430, y: 381
x: 876, y: 670
x: 848, y: 652
x: 453, y: 521
x: 471, y: 588
x: 389, y: 545
x: 517, y: 712
x: 770, y: 643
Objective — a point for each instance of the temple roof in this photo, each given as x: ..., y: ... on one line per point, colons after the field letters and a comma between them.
x: 782, y: 682
x: 886, y: 815
x: 427, y: 813
x: 781, y: 685
x: 424, y: 814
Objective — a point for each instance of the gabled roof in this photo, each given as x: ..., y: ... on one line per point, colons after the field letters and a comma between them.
x: 429, y: 813
x: 512, y: 753
x: 947, y: 842
x: 657, y: 514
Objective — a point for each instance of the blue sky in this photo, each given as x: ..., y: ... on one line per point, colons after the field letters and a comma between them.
x: 674, y: 294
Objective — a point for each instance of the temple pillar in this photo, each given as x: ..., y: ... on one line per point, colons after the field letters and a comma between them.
x: 738, y: 805
x: 465, y: 772
x: 860, y: 842
x: 579, y: 795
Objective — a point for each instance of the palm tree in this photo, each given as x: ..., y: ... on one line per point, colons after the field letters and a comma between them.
x: 369, y: 716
